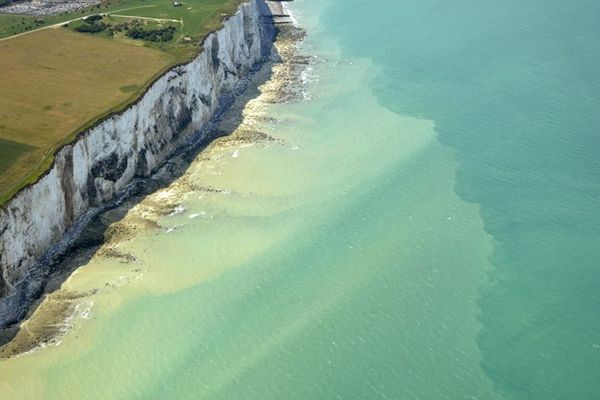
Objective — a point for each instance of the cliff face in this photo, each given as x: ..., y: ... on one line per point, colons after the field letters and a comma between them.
x: 104, y: 159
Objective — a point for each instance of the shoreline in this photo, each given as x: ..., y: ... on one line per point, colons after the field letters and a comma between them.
x: 31, y: 268
x: 48, y: 320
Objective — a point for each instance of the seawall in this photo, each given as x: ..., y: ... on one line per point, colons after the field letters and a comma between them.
x: 107, y: 157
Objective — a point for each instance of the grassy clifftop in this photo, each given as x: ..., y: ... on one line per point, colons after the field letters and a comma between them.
x: 56, y: 82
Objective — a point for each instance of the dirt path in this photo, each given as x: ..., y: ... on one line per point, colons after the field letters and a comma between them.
x: 146, y: 18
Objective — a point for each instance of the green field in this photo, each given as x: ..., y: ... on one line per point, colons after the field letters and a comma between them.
x: 55, y: 81
x: 10, y: 152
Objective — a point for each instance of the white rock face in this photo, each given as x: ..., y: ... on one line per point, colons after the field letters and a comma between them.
x: 107, y: 157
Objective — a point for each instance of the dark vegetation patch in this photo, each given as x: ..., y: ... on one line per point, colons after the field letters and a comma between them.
x: 129, y: 88
x: 10, y: 151
x: 92, y: 24
x: 93, y: 18
x: 152, y: 35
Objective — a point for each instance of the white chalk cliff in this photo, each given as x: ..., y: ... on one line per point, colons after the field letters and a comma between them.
x: 104, y: 159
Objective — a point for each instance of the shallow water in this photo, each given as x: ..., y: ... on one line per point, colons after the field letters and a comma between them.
x: 423, y: 226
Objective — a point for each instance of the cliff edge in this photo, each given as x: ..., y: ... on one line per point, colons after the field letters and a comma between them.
x: 107, y: 157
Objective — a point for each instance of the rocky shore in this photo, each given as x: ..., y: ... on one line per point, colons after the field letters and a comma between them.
x: 136, y: 210
x: 109, y: 162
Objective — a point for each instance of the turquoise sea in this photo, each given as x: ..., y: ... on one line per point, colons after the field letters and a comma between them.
x: 425, y: 226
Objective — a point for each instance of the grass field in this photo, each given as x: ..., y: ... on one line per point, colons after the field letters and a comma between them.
x: 56, y: 82
x: 62, y: 83
x: 10, y: 152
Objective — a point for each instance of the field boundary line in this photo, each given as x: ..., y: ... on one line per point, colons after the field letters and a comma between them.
x: 147, y: 18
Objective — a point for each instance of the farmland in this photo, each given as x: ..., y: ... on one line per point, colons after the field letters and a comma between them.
x: 62, y: 83
x: 55, y: 81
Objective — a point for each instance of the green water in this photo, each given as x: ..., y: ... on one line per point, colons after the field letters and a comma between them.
x: 514, y: 87
x: 426, y: 227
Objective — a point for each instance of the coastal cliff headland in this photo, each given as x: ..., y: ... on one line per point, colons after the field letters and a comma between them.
x: 43, y: 220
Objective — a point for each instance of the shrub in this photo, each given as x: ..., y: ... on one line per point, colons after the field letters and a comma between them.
x: 93, y: 18
x: 91, y: 28
x: 152, y: 35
